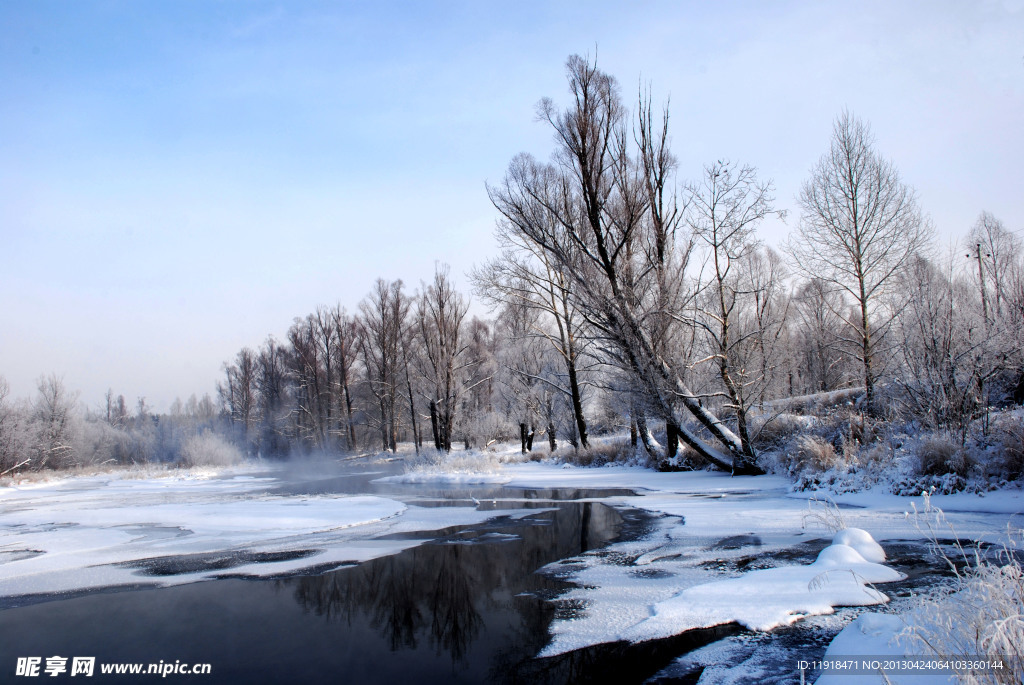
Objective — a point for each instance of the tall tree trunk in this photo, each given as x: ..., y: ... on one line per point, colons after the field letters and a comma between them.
x: 652, y: 446
x: 577, y: 405
x: 672, y: 438
x: 434, y: 426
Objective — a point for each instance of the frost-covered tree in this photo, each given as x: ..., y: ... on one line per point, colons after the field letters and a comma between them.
x: 816, y: 337
x: 860, y: 227
x: 725, y: 208
x: 14, y: 433
x: 588, y: 211
x: 763, y: 277
x: 996, y: 254
x: 525, y: 276
x: 440, y: 314
x: 54, y: 419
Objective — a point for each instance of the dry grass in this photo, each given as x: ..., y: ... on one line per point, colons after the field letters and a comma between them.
x: 772, y: 432
x: 937, y: 456
x: 810, y: 453
x: 981, y: 614
x: 824, y: 513
x: 600, y: 452
x: 1010, y: 434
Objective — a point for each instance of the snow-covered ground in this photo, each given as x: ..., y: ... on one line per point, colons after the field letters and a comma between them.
x: 105, y: 530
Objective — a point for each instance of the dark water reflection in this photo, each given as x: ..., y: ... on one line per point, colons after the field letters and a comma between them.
x: 467, y: 608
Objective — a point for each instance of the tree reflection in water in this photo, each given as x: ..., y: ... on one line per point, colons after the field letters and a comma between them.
x: 443, y: 593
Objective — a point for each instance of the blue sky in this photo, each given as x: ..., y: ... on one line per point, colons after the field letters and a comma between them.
x: 180, y: 179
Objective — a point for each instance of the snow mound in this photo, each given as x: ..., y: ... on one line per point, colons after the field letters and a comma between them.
x: 861, y: 541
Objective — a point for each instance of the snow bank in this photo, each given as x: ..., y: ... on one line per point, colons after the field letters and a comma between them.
x: 759, y: 600
x: 768, y: 598
x: 875, y: 636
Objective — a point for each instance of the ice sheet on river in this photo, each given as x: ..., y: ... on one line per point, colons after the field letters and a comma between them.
x: 104, y: 531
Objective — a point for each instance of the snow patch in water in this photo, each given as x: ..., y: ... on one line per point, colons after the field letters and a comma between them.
x: 622, y: 608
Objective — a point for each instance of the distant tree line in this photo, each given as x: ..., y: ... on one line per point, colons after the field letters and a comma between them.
x: 51, y: 431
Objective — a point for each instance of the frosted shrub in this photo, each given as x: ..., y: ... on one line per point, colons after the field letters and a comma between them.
x: 981, y: 614
x: 1010, y: 434
x: 209, y: 449
x: 772, y: 432
x: 810, y: 453
x: 937, y: 457
x: 466, y: 462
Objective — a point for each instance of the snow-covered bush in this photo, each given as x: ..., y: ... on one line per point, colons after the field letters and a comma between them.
x: 911, y: 485
x: 209, y: 449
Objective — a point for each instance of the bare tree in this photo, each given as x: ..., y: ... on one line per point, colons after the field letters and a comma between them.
x: 764, y: 277
x: 526, y: 275
x: 382, y: 322
x: 325, y: 337
x: 996, y: 252
x: 817, y: 328
x: 586, y: 211
x: 666, y: 254
x: 272, y: 393
x: 309, y: 382
x: 725, y: 209
x: 239, y: 392
x: 860, y: 226
x: 440, y: 312
x: 52, y: 413
x: 346, y: 333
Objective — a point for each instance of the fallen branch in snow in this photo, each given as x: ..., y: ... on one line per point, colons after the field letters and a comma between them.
x: 16, y: 466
